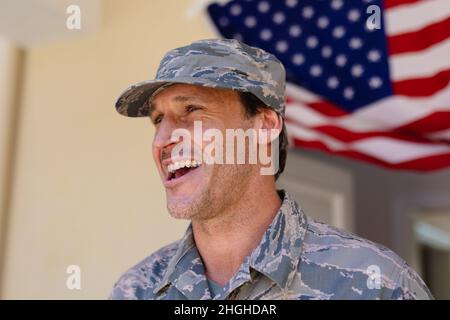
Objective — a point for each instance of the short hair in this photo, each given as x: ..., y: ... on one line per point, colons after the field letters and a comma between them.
x: 253, y: 106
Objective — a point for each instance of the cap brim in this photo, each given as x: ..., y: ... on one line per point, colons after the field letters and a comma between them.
x: 131, y: 102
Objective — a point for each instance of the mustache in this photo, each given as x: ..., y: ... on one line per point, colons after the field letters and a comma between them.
x: 165, y: 154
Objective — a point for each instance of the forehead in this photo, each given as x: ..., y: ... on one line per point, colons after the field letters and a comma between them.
x: 188, y: 92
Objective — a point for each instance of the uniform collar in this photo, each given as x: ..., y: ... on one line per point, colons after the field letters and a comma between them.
x: 185, y: 270
x: 277, y: 256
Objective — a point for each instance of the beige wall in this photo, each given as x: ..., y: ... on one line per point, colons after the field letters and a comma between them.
x: 10, y: 62
x: 86, y: 191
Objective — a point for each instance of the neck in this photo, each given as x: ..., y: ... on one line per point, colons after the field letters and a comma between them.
x: 225, y: 240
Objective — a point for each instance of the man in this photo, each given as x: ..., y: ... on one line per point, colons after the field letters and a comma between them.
x: 246, y: 240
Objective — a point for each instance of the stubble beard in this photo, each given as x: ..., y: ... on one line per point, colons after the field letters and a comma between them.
x: 226, y: 186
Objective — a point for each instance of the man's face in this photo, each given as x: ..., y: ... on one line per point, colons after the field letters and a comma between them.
x: 197, y: 192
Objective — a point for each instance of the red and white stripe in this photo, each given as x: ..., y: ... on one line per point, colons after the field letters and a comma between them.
x: 409, y: 130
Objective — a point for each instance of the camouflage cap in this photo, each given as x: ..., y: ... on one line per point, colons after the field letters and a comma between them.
x: 215, y: 63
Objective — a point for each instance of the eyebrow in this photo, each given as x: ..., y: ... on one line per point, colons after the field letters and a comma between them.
x: 152, y: 106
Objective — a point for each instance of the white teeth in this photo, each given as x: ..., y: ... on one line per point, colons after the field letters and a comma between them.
x: 181, y: 164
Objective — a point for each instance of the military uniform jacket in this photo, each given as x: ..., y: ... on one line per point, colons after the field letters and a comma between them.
x: 297, y: 258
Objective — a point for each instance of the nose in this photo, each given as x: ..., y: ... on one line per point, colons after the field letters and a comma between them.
x: 163, y: 134
x: 164, y: 140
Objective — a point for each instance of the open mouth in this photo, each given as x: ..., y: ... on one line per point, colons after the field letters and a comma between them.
x: 180, y: 168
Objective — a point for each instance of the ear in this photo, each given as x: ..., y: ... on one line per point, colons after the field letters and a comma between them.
x: 272, y: 122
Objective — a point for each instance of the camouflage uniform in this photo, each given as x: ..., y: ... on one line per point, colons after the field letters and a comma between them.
x: 297, y: 258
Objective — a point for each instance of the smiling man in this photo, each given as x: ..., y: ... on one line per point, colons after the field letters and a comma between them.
x: 246, y: 240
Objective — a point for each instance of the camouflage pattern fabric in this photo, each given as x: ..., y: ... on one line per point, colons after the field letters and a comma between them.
x: 214, y: 63
x: 297, y: 258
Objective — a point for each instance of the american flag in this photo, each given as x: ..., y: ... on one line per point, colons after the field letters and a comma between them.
x: 376, y: 94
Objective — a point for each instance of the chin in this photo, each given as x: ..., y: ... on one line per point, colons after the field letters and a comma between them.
x: 183, y: 207
x: 178, y: 211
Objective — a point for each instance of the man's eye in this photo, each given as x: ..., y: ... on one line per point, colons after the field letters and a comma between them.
x: 192, y: 108
x: 157, y: 119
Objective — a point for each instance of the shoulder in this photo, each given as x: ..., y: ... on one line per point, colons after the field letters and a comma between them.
x: 145, y: 275
x: 357, y: 266
x: 347, y: 249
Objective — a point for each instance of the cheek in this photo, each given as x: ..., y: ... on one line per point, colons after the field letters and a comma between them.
x: 155, y: 155
x: 216, y: 125
x: 213, y: 137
